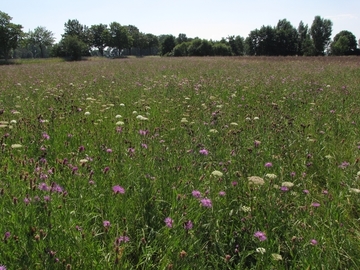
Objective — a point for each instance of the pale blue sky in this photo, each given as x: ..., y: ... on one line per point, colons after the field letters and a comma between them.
x: 209, y: 19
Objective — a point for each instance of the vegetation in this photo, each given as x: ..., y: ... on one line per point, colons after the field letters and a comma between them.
x: 118, y: 40
x: 173, y: 163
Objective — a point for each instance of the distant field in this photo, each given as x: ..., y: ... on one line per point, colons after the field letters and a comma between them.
x: 180, y: 163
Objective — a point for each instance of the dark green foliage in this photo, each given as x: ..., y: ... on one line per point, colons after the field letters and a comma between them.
x: 344, y: 44
x: 10, y: 35
x: 320, y: 32
x: 167, y: 45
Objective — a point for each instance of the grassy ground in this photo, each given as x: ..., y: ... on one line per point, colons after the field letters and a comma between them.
x: 180, y: 163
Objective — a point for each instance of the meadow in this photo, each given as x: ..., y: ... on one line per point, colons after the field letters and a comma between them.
x: 180, y: 163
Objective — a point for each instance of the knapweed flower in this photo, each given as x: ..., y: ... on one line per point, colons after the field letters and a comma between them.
x: 44, y: 187
x: 196, y: 193
x: 169, y: 222
x: 106, y: 169
x: 344, y: 165
x: 106, y: 223
x: 315, y: 204
x: 284, y: 188
x: 260, y: 235
x: 206, y: 202
x: 2, y: 267
x: 109, y: 150
x: 204, y: 152
x: 313, y: 242
x: 306, y: 191
x: 222, y: 193
x: 118, y: 189
x: 268, y: 164
x: 188, y: 225
x: 7, y: 235
x: 46, y: 136
x: 27, y: 200
x: 121, y: 239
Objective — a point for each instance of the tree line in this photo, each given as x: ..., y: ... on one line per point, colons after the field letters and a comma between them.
x: 114, y: 40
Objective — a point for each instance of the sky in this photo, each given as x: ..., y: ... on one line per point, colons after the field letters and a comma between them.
x: 207, y: 19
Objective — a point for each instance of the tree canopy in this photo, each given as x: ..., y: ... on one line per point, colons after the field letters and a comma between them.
x: 10, y: 35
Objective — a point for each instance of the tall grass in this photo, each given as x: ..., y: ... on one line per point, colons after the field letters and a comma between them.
x: 150, y: 164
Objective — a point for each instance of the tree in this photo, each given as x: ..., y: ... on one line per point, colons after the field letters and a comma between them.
x: 236, y: 44
x: 302, y: 37
x: 100, y: 35
x: 181, y: 38
x: 344, y: 44
x: 42, y: 38
x: 134, y: 35
x: 320, y: 32
x: 167, y: 45
x: 73, y: 47
x: 286, y: 38
x: 262, y: 42
x: 82, y: 32
x: 10, y: 35
x: 119, y: 36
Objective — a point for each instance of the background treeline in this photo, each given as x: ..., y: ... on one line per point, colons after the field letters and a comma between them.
x: 115, y: 40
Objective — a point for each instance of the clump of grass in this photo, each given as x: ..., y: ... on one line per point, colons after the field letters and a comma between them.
x: 224, y: 163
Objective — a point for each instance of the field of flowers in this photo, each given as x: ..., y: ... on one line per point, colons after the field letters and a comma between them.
x: 180, y: 163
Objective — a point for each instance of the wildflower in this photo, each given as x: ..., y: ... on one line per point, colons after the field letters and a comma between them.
x: 271, y: 175
x: 143, y: 132
x: 234, y: 183
x: 257, y: 143
x: 121, y: 239
x: 217, y: 173
x: 306, y: 191
x: 119, y: 123
x: 256, y: 180
x: 46, y: 198
x: 284, y: 188
x: 268, y: 164
x: 188, y: 225
x: 7, y: 235
x: 204, y: 152
x: 81, y: 148
x: 292, y: 174
x: 260, y: 250
x: 245, y: 209
x: 109, y: 150
x: 56, y: 188
x: 118, y: 189
x: 44, y: 187
x: 2, y: 267
x: 87, y: 113
x: 315, y: 204
x: 344, y: 165
x: 16, y: 145
x: 260, y: 235
x: 118, y: 116
x: 144, y: 145
x: 222, y: 193
x: 196, y: 193
x: 276, y: 257
x: 106, y: 169
x: 27, y: 200
x: 106, y: 223
x: 313, y: 242
x: 287, y: 184
x: 46, y: 136
x: 206, y: 202
x: 169, y: 222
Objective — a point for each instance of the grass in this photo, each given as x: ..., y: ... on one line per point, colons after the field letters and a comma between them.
x: 182, y: 137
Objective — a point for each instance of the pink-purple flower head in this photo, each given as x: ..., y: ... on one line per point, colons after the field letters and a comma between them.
x: 315, y: 204
x: 188, y: 225
x: 260, y: 235
x: 204, y: 152
x: 106, y: 223
x: 169, y: 222
x: 7, y: 235
x: 268, y: 164
x: 313, y: 242
x: 118, y: 189
x: 2, y: 267
x: 46, y: 136
x: 121, y: 239
x: 196, y: 193
x: 206, y: 202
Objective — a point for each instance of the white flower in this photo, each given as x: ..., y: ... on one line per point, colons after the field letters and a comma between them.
x: 122, y: 105
x: 16, y: 145
x: 213, y: 131
x: 142, y: 118
x: 245, y: 209
x: 354, y: 190
x: 256, y: 180
x: 13, y: 122
x: 261, y: 250
x: 118, y: 116
x: 184, y: 120
x: 87, y: 113
x: 271, y: 175
x: 233, y: 124
x: 217, y: 173
x: 256, y: 118
x: 287, y: 184
x: 120, y: 123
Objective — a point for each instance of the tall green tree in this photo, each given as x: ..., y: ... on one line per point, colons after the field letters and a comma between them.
x: 236, y: 44
x: 82, y: 32
x: 41, y: 38
x: 100, y: 35
x: 303, y: 36
x: 10, y: 35
x: 286, y: 38
x: 168, y: 45
x: 119, y: 36
x: 344, y: 44
x: 320, y: 32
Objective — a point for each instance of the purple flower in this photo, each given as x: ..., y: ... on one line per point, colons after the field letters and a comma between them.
x: 284, y: 189
x: 46, y: 198
x: 196, y: 193
x: 344, y: 165
x: 169, y: 222
x: 106, y: 223
x: 118, y: 189
x: 313, y: 242
x: 44, y: 187
x: 234, y: 183
x: 204, y: 152
x: 260, y: 235
x: 222, y: 193
x: 81, y: 148
x: 292, y: 174
x: 188, y: 225
x: 143, y: 132
x: 7, y: 235
x: 306, y: 191
x: 315, y: 204
x: 206, y: 202
x: 121, y: 239
x: 144, y: 145
x: 109, y: 150
x: 46, y: 136
x: 2, y: 267
x: 106, y: 169
x: 119, y: 129
x: 268, y: 164
x: 27, y: 200
x: 56, y: 188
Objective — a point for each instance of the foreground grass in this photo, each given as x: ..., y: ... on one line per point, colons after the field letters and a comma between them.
x: 145, y: 164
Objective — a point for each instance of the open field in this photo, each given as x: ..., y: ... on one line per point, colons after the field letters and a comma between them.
x: 180, y: 163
